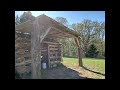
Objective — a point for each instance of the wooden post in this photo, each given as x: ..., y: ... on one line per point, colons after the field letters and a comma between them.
x: 36, y: 66
x: 80, y: 52
x: 37, y: 35
x: 77, y: 41
x: 36, y: 51
x: 80, y: 57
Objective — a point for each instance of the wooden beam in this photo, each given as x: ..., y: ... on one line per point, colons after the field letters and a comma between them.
x: 23, y: 63
x: 62, y: 36
x: 54, y: 31
x: 77, y: 41
x: 60, y: 32
x: 58, y: 25
x: 51, y: 42
x: 65, y: 32
x: 55, y: 34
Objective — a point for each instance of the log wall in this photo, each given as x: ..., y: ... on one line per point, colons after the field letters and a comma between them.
x: 23, y: 54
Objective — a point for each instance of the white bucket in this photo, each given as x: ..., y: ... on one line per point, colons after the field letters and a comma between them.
x: 44, y: 65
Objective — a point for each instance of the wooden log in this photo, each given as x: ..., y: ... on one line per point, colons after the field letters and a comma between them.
x: 23, y: 63
x: 23, y: 68
x: 80, y: 57
x: 80, y: 52
x: 51, y: 42
x: 20, y: 51
x: 23, y: 45
x: 37, y: 37
x: 77, y: 41
x: 53, y: 49
x: 49, y: 57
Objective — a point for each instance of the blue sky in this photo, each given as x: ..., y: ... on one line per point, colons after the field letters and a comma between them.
x: 71, y: 16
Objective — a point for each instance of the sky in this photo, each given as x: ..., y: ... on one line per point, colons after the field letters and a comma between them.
x: 71, y: 16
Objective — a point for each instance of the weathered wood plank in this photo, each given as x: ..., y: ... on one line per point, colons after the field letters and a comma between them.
x: 52, y: 49
x: 23, y: 63
x: 51, y: 42
x: 39, y: 32
x: 77, y: 41
x: 35, y: 53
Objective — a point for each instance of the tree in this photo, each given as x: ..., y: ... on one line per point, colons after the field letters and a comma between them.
x: 62, y: 20
x: 92, y: 51
x: 66, y: 44
x: 88, y: 31
x: 24, y: 17
x: 27, y: 16
x: 17, y: 20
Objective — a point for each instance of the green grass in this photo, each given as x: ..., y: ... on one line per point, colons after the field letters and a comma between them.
x: 97, y: 65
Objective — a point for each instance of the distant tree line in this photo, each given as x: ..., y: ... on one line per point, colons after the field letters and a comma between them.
x: 92, y: 38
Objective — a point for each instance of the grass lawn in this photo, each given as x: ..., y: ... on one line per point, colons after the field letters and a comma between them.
x: 92, y: 65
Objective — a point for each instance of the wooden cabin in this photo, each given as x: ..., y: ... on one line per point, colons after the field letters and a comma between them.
x: 37, y: 43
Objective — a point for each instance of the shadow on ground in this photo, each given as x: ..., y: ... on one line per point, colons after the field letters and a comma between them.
x: 61, y: 72
x: 93, y: 71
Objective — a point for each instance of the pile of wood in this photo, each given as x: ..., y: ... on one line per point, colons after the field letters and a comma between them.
x: 51, y: 53
x: 55, y: 54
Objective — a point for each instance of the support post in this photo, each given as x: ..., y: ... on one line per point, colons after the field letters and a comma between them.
x: 77, y: 41
x: 80, y: 52
x: 36, y: 51
x: 80, y: 57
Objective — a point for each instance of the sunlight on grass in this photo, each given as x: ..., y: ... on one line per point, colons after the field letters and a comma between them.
x: 97, y: 65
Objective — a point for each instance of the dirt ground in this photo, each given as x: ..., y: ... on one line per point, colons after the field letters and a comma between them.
x: 62, y: 72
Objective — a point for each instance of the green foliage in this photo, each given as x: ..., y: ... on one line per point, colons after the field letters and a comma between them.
x: 100, y: 45
x: 92, y: 51
x: 91, y: 32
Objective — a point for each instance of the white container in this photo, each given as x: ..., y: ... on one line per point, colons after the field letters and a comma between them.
x: 54, y: 65
x: 44, y: 65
